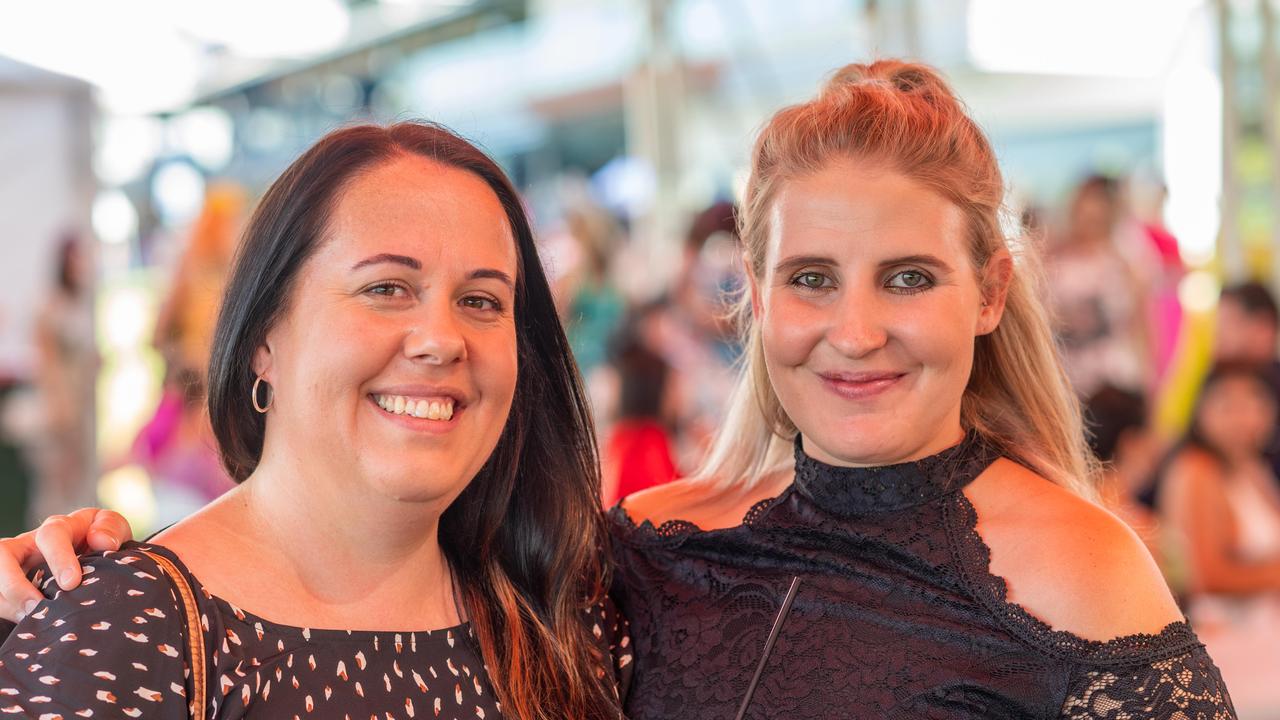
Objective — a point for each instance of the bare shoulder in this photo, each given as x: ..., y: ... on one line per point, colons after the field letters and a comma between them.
x: 1066, y: 560
x: 704, y: 502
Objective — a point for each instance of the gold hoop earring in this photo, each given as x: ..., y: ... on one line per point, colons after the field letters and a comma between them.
x: 253, y: 396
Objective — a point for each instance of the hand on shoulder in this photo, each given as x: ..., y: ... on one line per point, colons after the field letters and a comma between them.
x: 1067, y: 561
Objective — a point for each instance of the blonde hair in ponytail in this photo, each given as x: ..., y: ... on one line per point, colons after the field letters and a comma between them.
x: 905, y: 116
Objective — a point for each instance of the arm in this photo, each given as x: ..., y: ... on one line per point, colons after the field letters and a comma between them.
x: 112, y: 647
x: 56, y: 542
x: 1184, y: 686
x: 1194, y: 503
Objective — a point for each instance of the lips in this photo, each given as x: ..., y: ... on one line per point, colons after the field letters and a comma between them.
x: 860, y: 385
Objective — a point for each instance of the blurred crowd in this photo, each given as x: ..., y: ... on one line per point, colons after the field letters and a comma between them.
x: 1203, y: 492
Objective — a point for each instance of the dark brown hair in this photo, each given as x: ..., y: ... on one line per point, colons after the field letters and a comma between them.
x: 525, y: 536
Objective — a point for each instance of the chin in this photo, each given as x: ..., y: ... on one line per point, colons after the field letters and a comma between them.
x: 411, y: 487
x: 864, y: 439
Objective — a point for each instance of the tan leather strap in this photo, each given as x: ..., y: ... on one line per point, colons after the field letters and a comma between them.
x: 195, y: 631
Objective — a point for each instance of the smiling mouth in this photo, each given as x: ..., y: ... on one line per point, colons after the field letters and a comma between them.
x: 429, y: 408
x: 860, y: 386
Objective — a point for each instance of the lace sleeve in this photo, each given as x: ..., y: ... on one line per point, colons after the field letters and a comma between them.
x: 1185, y: 687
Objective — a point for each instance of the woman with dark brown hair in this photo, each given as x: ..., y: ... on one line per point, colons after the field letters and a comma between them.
x: 391, y: 388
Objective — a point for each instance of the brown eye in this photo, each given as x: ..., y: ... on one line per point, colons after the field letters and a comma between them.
x: 387, y: 289
x: 480, y: 302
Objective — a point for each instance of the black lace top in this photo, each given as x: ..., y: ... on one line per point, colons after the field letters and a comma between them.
x: 896, y: 615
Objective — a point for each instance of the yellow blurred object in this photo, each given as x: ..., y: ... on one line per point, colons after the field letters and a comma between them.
x: 1198, y: 292
x: 128, y: 491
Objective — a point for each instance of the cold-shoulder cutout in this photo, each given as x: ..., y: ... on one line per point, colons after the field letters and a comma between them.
x: 1058, y: 553
x: 896, y: 612
x: 698, y: 504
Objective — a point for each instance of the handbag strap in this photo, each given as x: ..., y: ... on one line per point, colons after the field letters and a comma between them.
x: 195, y: 632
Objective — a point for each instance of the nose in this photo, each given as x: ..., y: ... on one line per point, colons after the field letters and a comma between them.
x: 435, y: 336
x: 859, y: 325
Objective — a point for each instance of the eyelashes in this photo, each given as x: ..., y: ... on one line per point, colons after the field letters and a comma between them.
x: 909, y: 282
x: 396, y: 290
x: 904, y: 282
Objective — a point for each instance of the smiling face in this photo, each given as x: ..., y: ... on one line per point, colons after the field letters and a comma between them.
x: 394, y: 366
x: 869, y: 306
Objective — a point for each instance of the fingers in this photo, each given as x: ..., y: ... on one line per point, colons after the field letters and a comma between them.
x: 108, y: 530
x: 18, y: 596
x: 57, y: 539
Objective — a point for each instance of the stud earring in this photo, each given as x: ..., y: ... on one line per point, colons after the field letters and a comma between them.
x: 253, y: 395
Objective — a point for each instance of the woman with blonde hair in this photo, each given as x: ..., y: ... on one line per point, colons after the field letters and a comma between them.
x: 895, y: 519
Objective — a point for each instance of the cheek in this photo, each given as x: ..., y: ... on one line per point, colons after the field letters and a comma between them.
x: 940, y: 335
x: 497, y: 365
x: 790, y: 329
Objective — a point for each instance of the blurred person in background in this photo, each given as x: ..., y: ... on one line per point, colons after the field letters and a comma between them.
x: 592, y: 306
x: 637, y: 453
x: 1129, y: 452
x: 1156, y: 257
x: 62, y: 448
x: 176, y: 446
x: 692, y: 328
x: 1098, y: 298
x: 1218, y: 497
x: 393, y: 391
x: 1246, y: 328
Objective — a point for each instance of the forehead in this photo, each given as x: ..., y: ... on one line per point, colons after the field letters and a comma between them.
x: 414, y: 206
x: 850, y: 208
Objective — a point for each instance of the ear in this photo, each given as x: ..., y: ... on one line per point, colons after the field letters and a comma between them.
x: 753, y: 285
x: 263, y: 362
x: 994, y: 285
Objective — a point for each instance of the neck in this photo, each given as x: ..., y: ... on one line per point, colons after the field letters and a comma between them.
x: 348, y: 558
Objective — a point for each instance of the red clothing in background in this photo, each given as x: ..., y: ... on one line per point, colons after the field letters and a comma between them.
x: 637, y: 456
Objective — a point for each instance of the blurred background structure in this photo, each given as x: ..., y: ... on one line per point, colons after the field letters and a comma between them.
x: 1140, y: 141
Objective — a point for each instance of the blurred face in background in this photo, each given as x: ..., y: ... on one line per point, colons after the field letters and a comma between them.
x: 869, y: 307
x: 395, y: 365
x: 1238, y: 415
x: 1243, y: 336
x: 1093, y: 215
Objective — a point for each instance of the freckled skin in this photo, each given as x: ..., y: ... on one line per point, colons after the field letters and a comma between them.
x: 857, y: 306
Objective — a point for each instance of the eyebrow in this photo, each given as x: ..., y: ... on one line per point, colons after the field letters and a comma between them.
x: 389, y: 258
x: 494, y: 274
x: 802, y: 260
x: 413, y: 263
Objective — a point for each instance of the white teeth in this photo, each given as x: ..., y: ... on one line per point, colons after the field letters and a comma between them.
x: 416, y: 407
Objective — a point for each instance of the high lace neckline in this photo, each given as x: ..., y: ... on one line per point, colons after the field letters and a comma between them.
x: 885, y: 488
